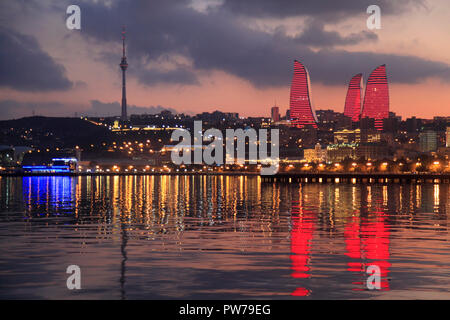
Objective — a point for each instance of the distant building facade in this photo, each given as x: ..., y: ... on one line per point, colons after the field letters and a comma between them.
x: 6, y: 156
x: 11, y: 156
x: 447, y: 137
x: 340, y: 152
x: 315, y: 155
x: 428, y: 141
x: 288, y: 115
x: 347, y: 136
x: 217, y: 116
x: 275, y: 114
x: 372, y: 151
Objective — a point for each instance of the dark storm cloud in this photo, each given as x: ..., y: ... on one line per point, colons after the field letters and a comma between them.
x: 177, y: 76
x: 337, y: 67
x: 332, y: 9
x: 315, y: 35
x: 25, y: 66
x: 217, y: 40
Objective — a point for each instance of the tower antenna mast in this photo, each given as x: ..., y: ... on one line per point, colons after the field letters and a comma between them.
x: 124, y: 66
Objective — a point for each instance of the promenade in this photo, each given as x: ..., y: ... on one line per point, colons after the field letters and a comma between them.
x: 352, y: 177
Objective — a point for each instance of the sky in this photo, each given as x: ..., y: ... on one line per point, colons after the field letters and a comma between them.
x: 195, y: 56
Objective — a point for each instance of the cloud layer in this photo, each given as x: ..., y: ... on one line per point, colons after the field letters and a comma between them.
x: 25, y: 66
x: 219, y: 40
x: 330, y: 9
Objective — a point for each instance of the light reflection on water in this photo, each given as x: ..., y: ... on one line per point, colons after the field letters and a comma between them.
x: 221, y: 237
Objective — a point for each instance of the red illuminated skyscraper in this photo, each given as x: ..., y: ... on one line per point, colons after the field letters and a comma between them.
x: 302, y: 112
x: 352, y: 107
x: 376, y: 99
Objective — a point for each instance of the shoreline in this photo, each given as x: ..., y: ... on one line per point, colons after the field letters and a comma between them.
x: 284, y: 177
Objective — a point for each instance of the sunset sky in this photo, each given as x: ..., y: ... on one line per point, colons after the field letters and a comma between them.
x: 229, y: 55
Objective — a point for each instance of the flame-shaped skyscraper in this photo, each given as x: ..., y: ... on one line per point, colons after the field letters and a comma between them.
x: 352, y: 106
x: 376, y: 99
x: 302, y: 112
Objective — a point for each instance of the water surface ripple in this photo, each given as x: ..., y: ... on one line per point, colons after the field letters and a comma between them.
x: 221, y: 237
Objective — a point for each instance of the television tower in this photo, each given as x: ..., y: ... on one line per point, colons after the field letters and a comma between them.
x: 124, y: 66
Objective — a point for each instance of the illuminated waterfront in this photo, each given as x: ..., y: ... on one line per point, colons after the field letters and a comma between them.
x: 221, y: 237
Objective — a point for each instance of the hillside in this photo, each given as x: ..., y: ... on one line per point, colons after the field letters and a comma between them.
x: 54, y: 132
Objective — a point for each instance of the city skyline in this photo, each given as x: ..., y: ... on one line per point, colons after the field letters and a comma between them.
x: 192, y: 75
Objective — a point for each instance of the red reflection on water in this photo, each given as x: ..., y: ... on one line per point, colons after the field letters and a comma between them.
x: 300, y: 292
x: 367, y: 242
x: 352, y: 236
x: 303, y: 223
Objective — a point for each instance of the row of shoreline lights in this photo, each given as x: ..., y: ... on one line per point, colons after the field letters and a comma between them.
x: 369, y: 165
x: 165, y: 168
